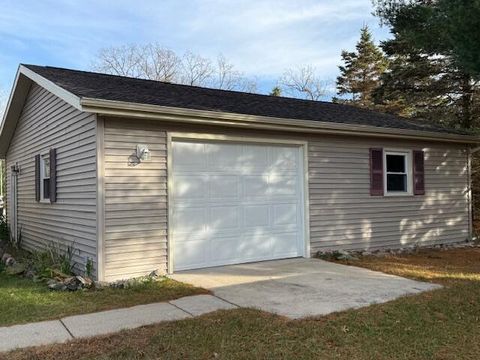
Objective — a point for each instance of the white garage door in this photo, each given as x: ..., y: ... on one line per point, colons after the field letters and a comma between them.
x: 235, y: 203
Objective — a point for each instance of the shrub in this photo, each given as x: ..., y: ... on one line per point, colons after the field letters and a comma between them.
x: 55, y: 259
x: 89, y: 268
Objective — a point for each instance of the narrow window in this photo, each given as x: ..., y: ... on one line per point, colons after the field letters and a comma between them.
x: 45, y: 177
x: 397, y: 173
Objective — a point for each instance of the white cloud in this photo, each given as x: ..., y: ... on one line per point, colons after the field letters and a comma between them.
x: 261, y: 37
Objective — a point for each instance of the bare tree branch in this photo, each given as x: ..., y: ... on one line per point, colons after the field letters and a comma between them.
x: 122, y: 60
x: 302, y: 82
x: 155, y: 62
x: 197, y: 70
x: 158, y: 63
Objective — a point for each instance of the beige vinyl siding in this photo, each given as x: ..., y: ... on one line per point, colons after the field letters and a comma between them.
x: 342, y: 213
x: 49, y: 122
x: 135, y: 202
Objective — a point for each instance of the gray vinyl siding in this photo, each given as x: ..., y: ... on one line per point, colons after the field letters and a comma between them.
x: 342, y: 213
x: 49, y: 122
x: 135, y: 202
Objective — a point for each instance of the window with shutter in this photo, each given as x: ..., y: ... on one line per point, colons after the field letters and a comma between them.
x: 398, y: 172
x: 45, y: 177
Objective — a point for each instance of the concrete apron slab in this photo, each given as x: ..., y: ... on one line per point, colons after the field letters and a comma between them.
x: 106, y: 322
x: 299, y: 288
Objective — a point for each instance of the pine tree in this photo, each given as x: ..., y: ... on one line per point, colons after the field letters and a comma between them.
x: 276, y: 91
x: 424, y: 81
x: 360, y: 74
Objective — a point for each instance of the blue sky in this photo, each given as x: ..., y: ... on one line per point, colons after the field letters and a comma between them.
x: 261, y: 37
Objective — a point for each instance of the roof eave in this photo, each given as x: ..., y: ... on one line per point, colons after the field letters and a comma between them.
x: 18, y: 94
x: 120, y: 108
x: 16, y: 99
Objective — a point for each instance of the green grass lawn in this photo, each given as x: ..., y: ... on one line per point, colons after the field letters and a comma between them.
x: 442, y: 324
x: 22, y: 300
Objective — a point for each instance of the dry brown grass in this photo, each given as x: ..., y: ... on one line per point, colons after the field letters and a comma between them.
x: 446, y: 267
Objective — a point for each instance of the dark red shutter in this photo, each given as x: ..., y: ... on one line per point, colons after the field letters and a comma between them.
x: 37, y: 177
x: 53, y: 175
x: 376, y: 172
x: 418, y: 172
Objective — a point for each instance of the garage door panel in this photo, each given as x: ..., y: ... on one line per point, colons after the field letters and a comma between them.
x: 283, y: 246
x: 255, y: 246
x: 284, y: 158
x: 282, y: 185
x: 223, y: 186
x: 190, y: 254
x: 224, y: 249
x: 255, y: 158
x: 255, y: 186
x: 189, y: 220
x: 223, y: 157
x: 224, y: 218
x: 190, y: 156
x: 244, y: 204
x: 190, y: 187
x: 256, y: 216
x: 285, y: 214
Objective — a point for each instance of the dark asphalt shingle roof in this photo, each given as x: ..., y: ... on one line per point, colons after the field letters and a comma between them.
x: 120, y: 88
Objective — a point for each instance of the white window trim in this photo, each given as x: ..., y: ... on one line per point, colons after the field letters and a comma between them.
x: 42, y: 177
x: 408, y: 170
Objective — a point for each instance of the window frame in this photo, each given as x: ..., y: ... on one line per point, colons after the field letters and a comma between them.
x: 408, y: 172
x: 43, y: 178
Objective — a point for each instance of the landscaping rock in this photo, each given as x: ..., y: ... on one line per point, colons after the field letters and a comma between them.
x: 30, y: 274
x: 154, y: 274
x: 57, y: 286
x: 10, y: 261
x: 101, y: 284
x: 16, y: 269
x: 6, y: 256
x: 85, y: 282
x: 72, y: 284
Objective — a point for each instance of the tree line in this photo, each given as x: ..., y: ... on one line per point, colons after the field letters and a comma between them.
x: 428, y: 70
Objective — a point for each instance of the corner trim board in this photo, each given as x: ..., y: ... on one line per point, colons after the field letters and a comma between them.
x: 100, y: 139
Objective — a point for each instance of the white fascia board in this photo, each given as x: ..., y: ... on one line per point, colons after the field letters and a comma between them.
x: 16, y: 99
x: 52, y: 87
x: 21, y: 86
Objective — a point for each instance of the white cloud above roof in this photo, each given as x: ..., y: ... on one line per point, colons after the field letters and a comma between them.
x: 261, y: 38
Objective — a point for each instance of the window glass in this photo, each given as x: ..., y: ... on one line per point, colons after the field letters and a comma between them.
x: 45, y: 177
x: 46, y: 188
x: 396, y: 182
x: 46, y: 166
x: 396, y: 172
x: 396, y: 163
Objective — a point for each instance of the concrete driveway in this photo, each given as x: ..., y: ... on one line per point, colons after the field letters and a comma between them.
x: 299, y: 288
